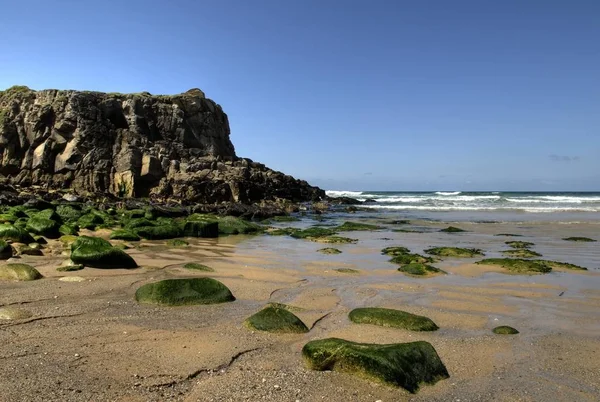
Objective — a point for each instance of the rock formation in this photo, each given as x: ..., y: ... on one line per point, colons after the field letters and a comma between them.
x: 132, y: 145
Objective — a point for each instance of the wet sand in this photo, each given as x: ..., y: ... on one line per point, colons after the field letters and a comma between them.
x: 89, y: 340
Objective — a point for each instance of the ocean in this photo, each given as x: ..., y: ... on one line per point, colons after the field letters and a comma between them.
x: 496, y: 205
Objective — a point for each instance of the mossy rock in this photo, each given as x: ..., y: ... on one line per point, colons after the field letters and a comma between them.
x: 67, y: 239
x: 395, y: 250
x: 69, y: 268
x: 15, y: 234
x: 69, y: 213
x: 275, y: 319
x: 158, y: 232
x: 518, y: 266
x: 452, y: 229
x: 178, y: 292
x: 282, y: 231
x: 8, y: 218
x: 562, y: 265
x: 230, y: 225
x: 25, y: 249
x: 198, y: 267
x: 347, y: 270
x: 579, y: 239
x: 419, y: 269
x: 386, y: 317
x: 90, y: 221
x: 454, y: 252
x: 5, y: 250
x: 12, y: 313
x: 329, y: 250
x: 406, y: 365
x: 66, y: 229
x: 508, y: 235
x: 283, y: 218
x: 355, y: 226
x: 98, y: 253
x: 408, y: 231
x: 19, y: 272
x: 313, y: 232
x: 521, y: 253
x: 411, y: 258
x: 201, y: 229
x: 177, y: 243
x: 505, y: 330
x: 334, y: 240
x: 44, y: 227
x: 49, y: 213
x: 124, y: 234
x: 519, y: 244
x: 139, y: 223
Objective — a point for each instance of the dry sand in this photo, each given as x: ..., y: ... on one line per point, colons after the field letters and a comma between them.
x: 86, y: 339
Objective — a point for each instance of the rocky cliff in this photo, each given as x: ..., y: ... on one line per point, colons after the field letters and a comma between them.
x: 132, y: 145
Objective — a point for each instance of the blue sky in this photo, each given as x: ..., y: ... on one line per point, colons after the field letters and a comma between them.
x: 388, y: 95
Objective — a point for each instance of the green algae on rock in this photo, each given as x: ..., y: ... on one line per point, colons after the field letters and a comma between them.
x: 386, y: 317
x: 521, y: 253
x: 124, y: 234
x: 508, y: 235
x: 201, y: 229
x: 179, y: 292
x: 562, y: 265
x: 276, y: 319
x: 177, y: 243
x: 158, y: 232
x: 519, y: 244
x: 419, y: 269
x: 19, y: 272
x: 329, y: 250
x: 395, y: 250
x: 313, y: 232
x: 69, y: 268
x: 15, y: 234
x: 347, y: 270
x: 12, y: 313
x: 411, y: 258
x: 198, y: 267
x: 334, y: 240
x: 65, y: 229
x: 454, y: 252
x: 99, y: 253
x: 579, y: 239
x: 518, y: 266
x: 452, y: 229
x: 44, y: 227
x: 407, y: 365
x: 505, y: 330
x: 355, y: 226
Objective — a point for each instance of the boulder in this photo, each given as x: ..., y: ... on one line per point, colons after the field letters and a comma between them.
x: 177, y: 292
x: 98, y: 253
x: 386, y: 317
x: 19, y: 272
x: 276, y: 319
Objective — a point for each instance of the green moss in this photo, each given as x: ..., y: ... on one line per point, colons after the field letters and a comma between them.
x: 19, y: 272
x: 562, y: 265
x: 135, y: 223
x: 419, y: 269
x: 347, y: 270
x: 519, y: 244
x: 404, y: 259
x: 67, y: 239
x: 72, y: 230
x: 49, y: 214
x: 18, y: 211
x: 282, y: 231
x: 517, y: 265
x: 177, y: 292
x: 177, y: 243
x: 5, y: 250
x: 454, y: 252
x: 230, y: 225
x: 68, y: 213
x: 69, y: 268
x: 313, y: 232
x: 278, y: 320
x: 15, y: 234
x: 509, y: 235
x: 334, y: 240
x: 355, y: 226
x: 407, y: 365
x: 329, y: 250
x: 124, y: 234
x: 386, y: 317
x: 198, y: 267
x: 581, y: 239
x: 158, y: 232
x: 395, y: 250
x: 8, y: 218
x: 99, y: 253
x: 201, y: 229
x: 90, y: 221
x: 521, y: 253
x: 452, y: 229
x: 505, y: 330
x: 44, y: 227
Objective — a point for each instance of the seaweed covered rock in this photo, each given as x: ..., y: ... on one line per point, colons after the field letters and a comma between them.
x: 452, y: 229
x: 505, y: 330
x: 162, y: 232
x: 521, y: 253
x: 386, y: 317
x: 68, y: 213
x: 98, y: 253
x: 356, y: 226
x: 177, y: 243
x: 90, y: 221
x: 454, y: 252
x: 420, y: 269
x: 230, y: 225
x: 411, y: 258
x: 43, y: 226
x: 19, y: 272
x: 207, y: 229
x: 518, y: 266
x: 407, y: 365
x: 579, y: 239
x: 562, y: 265
x: 519, y: 244
x: 347, y: 270
x: 5, y: 250
x: 334, y: 240
x: 124, y: 234
x: 178, y: 292
x: 67, y: 229
x: 395, y: 250
x: 329, y: 250
x: 276, y: 319
x: 313, y: 232
x: 198, y: 267
x: 15, y: 234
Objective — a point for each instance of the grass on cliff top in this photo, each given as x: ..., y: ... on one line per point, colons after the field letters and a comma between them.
x: 454, y: 252
x: 386, y: 317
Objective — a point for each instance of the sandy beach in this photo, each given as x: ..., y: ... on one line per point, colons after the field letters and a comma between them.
x: 86, y: 339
